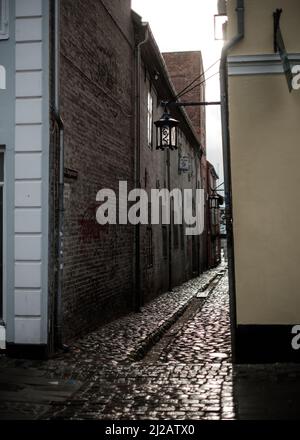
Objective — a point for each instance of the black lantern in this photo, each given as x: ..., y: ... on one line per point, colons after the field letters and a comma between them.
x: 166, y: 132
x: 214, y: 201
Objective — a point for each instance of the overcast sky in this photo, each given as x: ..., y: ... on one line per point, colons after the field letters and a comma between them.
x: 189, y: 25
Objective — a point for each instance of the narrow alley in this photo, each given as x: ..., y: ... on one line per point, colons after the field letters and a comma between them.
x: 149, y: 213
x: 182, y: 371
x: 191, y: 377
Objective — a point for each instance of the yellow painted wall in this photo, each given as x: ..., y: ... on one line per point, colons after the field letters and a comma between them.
x: 259, y: 25
x: 265, y: 163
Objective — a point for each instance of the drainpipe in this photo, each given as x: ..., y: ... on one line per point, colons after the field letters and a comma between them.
x: 198, y: 239
x: 171, y: 225
x: 60, y: 125
x: 240, y: 10
x: 137, y: 168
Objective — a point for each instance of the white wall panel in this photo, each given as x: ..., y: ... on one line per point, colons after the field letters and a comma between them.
x: 28, y: 166
x: 28, y: 194
x: 28, y: 303
x: 28, y: 248
x: 28, y: 84
x: 28, y: 275
x: 28, y: 29
x: 31, y: 175
x: 28, y: 8
x: 27, y: 331
x: 29, y: 111
x: 28, y: 221
x: 28, y: 138
x: 29, y: 56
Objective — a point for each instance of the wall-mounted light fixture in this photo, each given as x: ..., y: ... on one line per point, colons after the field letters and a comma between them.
x: 214, y: 201
x: 166, y: 132
x: 167, y: 127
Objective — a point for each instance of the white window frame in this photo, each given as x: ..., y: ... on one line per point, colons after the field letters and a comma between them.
x: 150, y: 119
x: 4, y: 20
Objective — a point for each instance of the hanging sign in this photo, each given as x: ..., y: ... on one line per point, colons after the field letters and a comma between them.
x: 184, y: 164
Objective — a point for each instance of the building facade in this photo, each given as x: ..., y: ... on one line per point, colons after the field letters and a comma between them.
x: 213, y: 202
x: 25, y: 158
x: 84, y: 85
x: 263, y: 156
x: 168, y: 257
x: 183, y: 68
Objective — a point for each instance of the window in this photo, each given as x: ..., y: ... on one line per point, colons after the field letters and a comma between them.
x: 149, y: 247
x: 150, y: 120
x: 1, y: 230
x: 3, y: 19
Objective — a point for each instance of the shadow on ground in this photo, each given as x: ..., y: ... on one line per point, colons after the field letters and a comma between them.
x: 266, y: 392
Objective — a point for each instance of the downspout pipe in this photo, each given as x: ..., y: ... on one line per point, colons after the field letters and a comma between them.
x: 60, y: 124
x: 197, y: 238
x: 171, y: 225
x: 240, y: 11
x: 137, y: 167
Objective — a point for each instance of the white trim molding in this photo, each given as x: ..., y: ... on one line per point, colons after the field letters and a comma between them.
x: 268, y: 64
x: 2, y: 337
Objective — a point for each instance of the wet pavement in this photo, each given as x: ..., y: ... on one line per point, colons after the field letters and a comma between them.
x: 28, y: 394
x: 188, y: 375
x: 206, y: 336
x: 119, y: 342
x: 191, y: 378
x: 170, y: 362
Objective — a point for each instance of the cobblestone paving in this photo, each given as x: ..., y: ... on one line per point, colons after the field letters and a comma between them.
x: 111, y: 346
x: 119, y: 341
x: 191, y: 380
x: 206, y: 337
x: 159, y: 391
x: 187, y: 375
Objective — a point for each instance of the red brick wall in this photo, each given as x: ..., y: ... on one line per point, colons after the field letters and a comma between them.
x: 96, y: 100
x: 204, y: 237
x: 183, y: 68
x: 155, y: 279
x: 214, y: 242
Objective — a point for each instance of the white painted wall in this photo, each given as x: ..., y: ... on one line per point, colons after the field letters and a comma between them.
x: 29, y: 177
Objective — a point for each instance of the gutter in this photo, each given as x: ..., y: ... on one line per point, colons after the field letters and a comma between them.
x: 137, y: 167
x: 240, y: 10
x: 171, y: 226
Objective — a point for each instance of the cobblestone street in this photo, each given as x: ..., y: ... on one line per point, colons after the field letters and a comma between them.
x: 188, y: 374
x: 177, y: 365
x: 191, y: 379
x: 206, y: 335
x: 149, y: 220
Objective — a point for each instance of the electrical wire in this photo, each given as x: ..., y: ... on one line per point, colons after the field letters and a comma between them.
x: 184, y: 91
x: 199, y: 84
